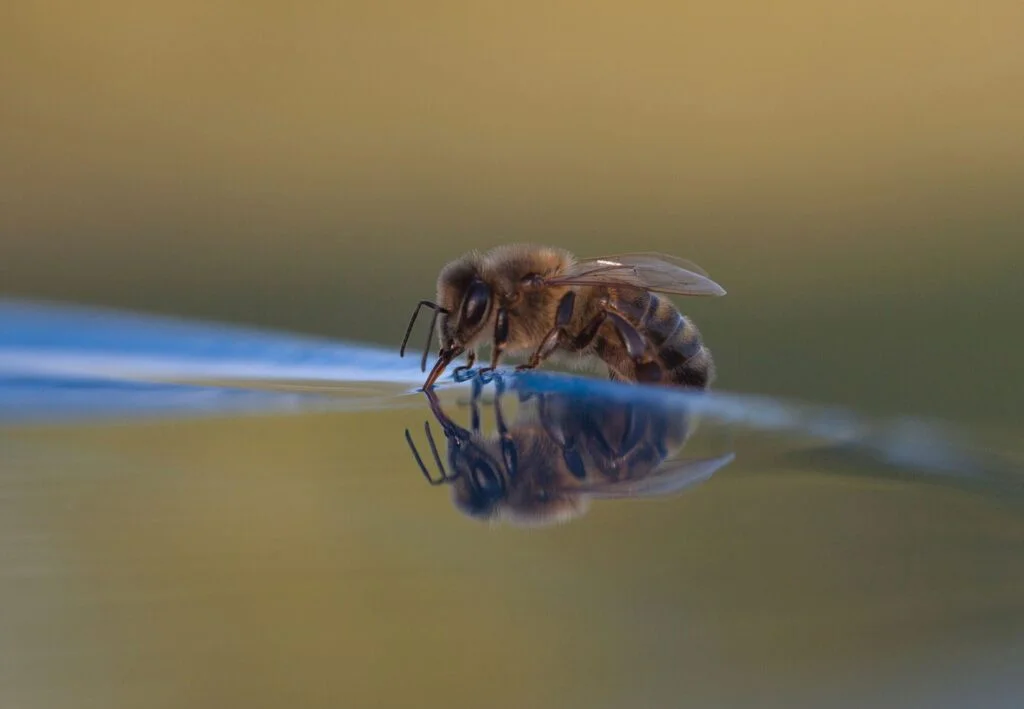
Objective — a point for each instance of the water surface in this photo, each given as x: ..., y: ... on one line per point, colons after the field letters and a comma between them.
x: 851, y: 174
x: 232, y: 545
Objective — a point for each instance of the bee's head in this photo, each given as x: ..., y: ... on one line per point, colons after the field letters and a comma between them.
x: 468, y: 300
x: 487, y: 489
x: 465, y: 306
x: 480, y: 484
x: 480, y: 294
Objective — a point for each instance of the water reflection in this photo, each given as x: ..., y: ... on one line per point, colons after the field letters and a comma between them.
x: 559, y: 452
x: 68, y: 364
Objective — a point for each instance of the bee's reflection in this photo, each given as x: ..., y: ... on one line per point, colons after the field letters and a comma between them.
x: 559, y: 453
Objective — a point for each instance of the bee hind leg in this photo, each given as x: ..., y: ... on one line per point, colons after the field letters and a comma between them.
x: 647, y: 370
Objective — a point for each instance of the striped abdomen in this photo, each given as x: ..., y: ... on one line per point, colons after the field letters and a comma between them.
x: 677, y: 344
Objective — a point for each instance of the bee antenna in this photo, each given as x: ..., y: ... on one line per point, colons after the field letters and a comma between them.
x: 430, y: 338
x: 437, y: 457
x: 412, y: 320
x: 419, y: 461
x: 416, y: 455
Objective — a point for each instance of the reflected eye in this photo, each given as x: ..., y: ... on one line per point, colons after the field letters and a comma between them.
x: 476, y: 304
x: 487, y: 481
x: 575, y: 463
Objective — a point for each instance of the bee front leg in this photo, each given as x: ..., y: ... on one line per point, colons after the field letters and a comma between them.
x: 458, y: 374
x: 500, y: 338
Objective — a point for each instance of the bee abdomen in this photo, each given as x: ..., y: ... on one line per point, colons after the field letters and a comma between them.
x: 662, y: 321
x: 697, y: 371
x: 680, y: 348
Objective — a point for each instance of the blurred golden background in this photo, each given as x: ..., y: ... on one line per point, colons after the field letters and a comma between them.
x: 853, y: 174
x: 303, y: 167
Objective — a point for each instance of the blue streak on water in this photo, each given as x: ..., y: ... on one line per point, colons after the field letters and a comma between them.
x: 65, y: 400
x: 58, y: 341
x: 898, y: 442
x: 64, y: 363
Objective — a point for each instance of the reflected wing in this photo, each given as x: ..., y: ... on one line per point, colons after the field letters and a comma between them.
x: 673, y: 477
x: 650, y: 271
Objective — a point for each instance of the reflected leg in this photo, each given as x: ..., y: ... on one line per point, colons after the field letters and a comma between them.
x: 474, y: 405
x: 509, y: 454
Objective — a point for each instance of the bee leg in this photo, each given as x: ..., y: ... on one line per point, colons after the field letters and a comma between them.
x: 550, y: 343
x: 586, y: 336
x: 556, y: 335
x: 500, y: 338
x: 632, y: 339
x: 647, y: 370
x: 459, y: 373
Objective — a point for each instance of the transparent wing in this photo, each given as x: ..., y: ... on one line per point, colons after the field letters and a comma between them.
x: 673, y: 477
x: 650, y: 271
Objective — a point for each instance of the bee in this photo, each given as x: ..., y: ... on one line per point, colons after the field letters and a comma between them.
x: 557, y: 456
x: 538, y: 301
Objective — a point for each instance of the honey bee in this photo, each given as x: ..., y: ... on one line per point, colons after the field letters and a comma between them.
x: 541, y: 301
x: 555, y: 458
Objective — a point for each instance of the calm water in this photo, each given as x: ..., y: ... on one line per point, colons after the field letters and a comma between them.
x: 851, y: 175
x: 302, y: 558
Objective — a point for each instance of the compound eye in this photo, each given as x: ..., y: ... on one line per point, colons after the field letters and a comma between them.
x: 475, y: 306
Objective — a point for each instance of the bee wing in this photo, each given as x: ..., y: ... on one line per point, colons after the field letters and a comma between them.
x: 650, y: 271
x: 674, y: 477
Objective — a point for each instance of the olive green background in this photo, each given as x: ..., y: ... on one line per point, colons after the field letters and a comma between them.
x: 852, y: 173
